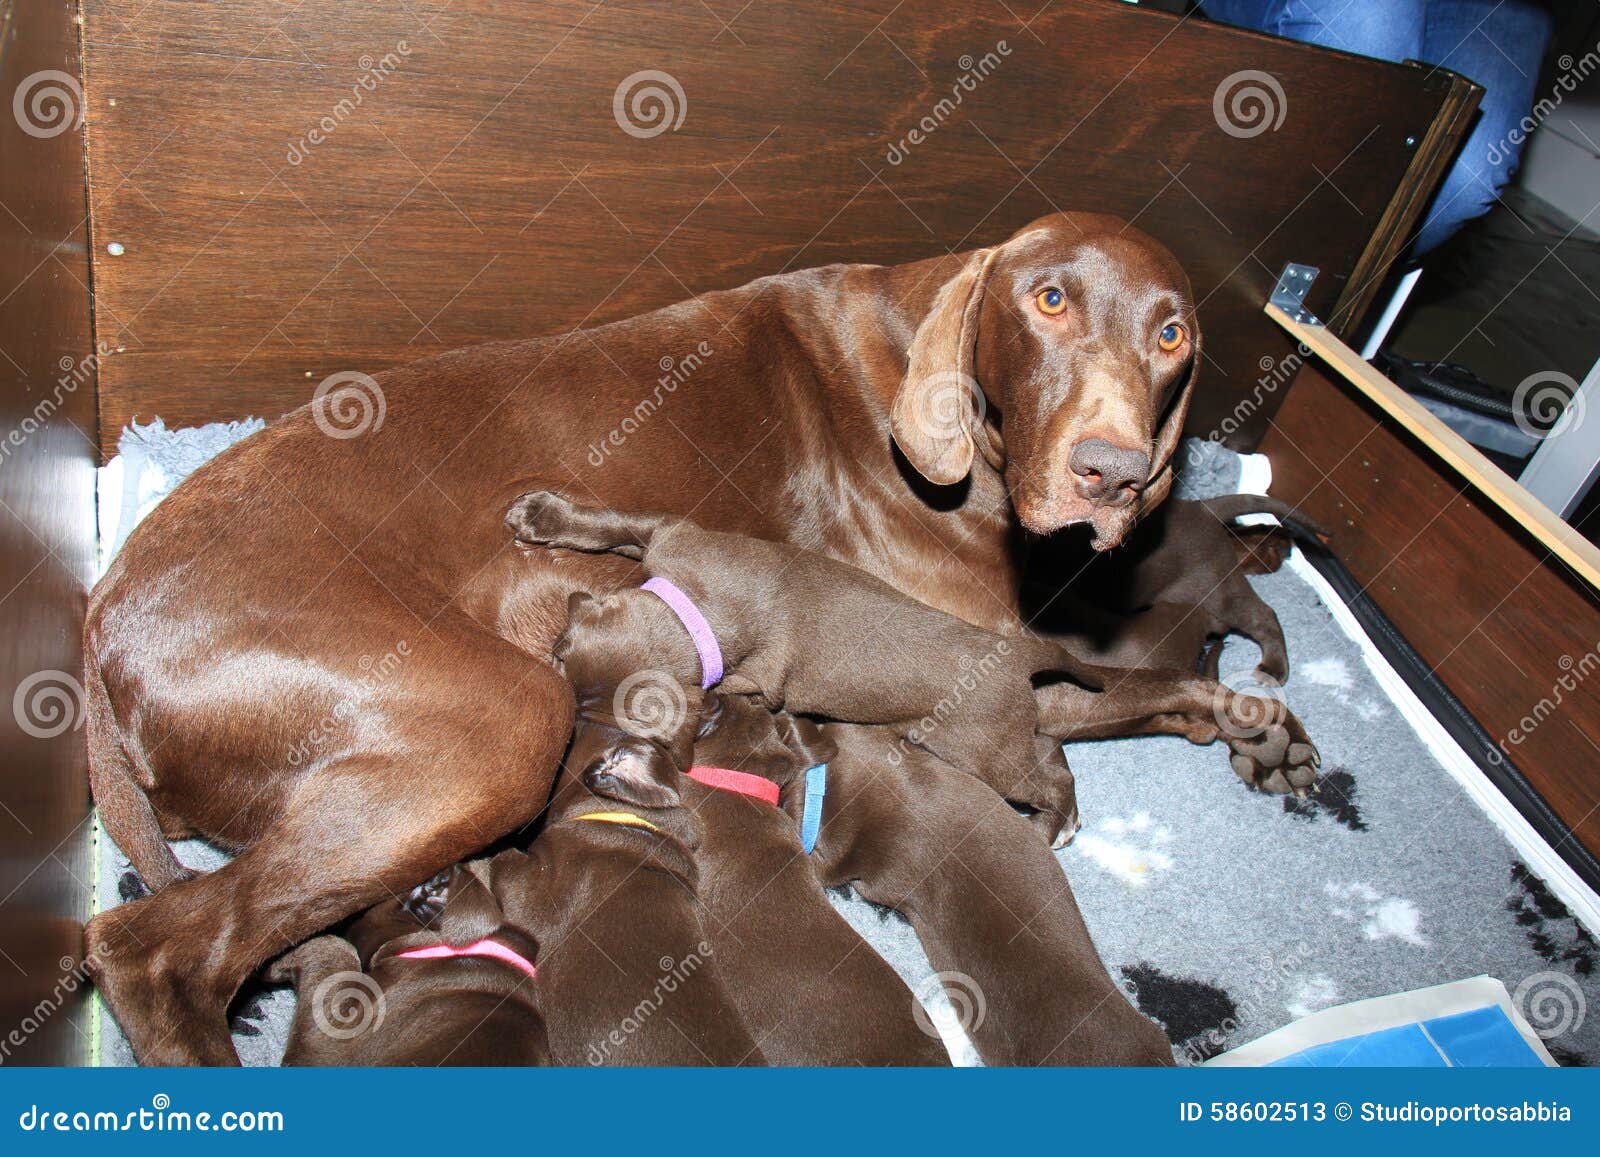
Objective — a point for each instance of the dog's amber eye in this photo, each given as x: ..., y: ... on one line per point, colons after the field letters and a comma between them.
x: 1172, y: 337
x: 1051, y: 301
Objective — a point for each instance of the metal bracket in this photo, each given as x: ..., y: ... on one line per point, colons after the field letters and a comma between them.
x: 1289, y: 294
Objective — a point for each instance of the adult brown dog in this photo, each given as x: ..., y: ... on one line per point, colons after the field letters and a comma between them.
x: 238, y: 674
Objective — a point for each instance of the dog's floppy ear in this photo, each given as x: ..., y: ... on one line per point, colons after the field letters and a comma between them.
x: 635, y: 772
x: 581, y: 608
x: 938, y: 412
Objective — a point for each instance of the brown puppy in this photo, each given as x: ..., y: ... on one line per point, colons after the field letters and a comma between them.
x: 811, y: 990
x: 793, y: 627
x: 627, y: 973
x: 1190, y: 554
x: 477, y: 1009
x: 992, y: 907
x: 602, y: 905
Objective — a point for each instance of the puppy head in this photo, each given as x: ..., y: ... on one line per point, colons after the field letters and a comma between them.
x: 637, y: 715
x: 740, y: 733
x: 611, y: 638
x: 1261, y: 549
x: 627, y: 769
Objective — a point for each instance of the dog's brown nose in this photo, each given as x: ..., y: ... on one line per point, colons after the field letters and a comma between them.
x: 1108, y: 475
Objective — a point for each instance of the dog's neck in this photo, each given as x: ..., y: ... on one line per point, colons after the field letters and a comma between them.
x: 674, y: 647
x: 573, y: 801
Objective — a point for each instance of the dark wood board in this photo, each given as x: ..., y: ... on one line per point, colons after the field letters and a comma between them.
x: 1501, y: 622
x: 482, y: 188
x: 47, y: 534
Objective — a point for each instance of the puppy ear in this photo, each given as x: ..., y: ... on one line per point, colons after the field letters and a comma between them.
x: 471, y: 912
x: 635, y: 773
x: 939, y: 407
x: 711, y: 712
x: 581, y: 608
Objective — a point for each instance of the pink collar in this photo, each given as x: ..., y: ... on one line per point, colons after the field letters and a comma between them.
x: 492, y: 949
x: 742, y: 782
x: 705, y: 639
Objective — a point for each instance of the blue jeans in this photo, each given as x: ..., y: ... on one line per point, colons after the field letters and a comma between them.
x: 1498, y: 45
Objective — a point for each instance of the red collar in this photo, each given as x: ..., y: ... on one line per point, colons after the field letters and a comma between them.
x: 739, y: 782
x: 492, y: 949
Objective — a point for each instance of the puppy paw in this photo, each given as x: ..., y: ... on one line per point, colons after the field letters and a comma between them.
x: 1056, y: 829
x: 540, y: 517
x: 545, y: 518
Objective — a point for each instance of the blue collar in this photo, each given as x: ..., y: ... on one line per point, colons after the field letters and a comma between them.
x: 811, y: 817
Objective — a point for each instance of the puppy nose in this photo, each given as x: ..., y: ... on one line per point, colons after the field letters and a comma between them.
x: 1109, y: 475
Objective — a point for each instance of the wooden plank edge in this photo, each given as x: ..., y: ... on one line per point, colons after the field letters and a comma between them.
x: 1483, y: 475
x: 1394, y: 230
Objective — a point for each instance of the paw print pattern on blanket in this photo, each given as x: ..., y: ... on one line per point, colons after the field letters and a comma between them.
x: 1381, y: 917
x: 1334, y: 675
x: 1129, y: 849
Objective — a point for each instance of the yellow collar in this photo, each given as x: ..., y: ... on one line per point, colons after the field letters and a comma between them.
x: 627, y: 819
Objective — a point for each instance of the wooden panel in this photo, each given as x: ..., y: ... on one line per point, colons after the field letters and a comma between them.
x: 1514, y: 635
x: 471, y: 180
x: 47, y: 426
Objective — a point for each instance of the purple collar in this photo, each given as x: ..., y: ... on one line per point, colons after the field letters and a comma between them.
x: 705, y: 639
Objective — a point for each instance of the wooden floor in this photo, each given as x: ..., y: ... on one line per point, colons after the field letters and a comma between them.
x: 1507, y: 628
